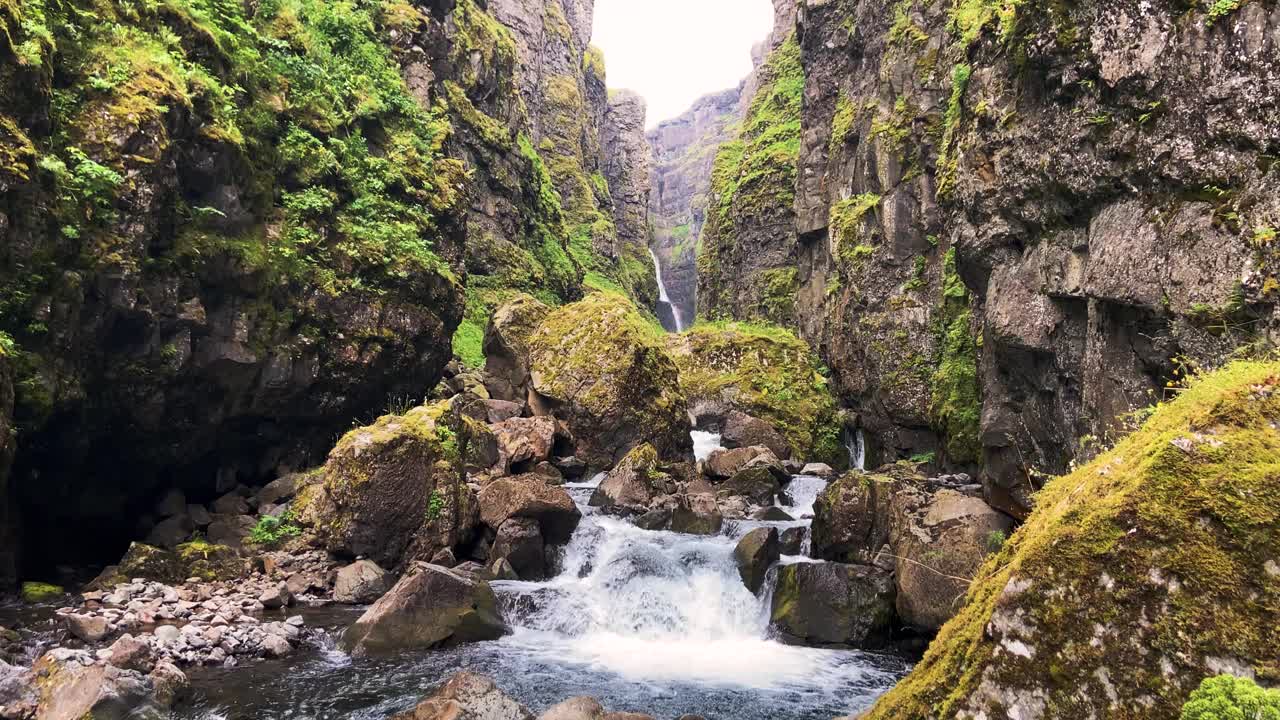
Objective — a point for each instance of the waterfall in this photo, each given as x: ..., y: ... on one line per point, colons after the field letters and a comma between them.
x: 663, y: 297
x: 856, y: 444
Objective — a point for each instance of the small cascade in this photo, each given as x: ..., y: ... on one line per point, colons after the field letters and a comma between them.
x: 663, y: 298
x: 856, y: 444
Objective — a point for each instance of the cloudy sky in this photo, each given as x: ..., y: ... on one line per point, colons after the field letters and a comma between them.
x: 674, y: 51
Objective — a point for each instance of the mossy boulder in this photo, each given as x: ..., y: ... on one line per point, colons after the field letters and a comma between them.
x: 635, y: 483
x: 506, y: 346
x: 147, y: 561
x: 833, y: 604
x: 1136, y: 576
x: 851, y: 517
x: 396, y: 489
x: 210, y: 562
x: 36, y: 592
x: 767, y: 373
x: 601, y: 368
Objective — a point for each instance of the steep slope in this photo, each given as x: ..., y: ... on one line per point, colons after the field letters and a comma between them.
x: 1136, y: 576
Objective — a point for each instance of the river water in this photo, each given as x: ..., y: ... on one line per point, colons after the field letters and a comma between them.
x: 653, y: 622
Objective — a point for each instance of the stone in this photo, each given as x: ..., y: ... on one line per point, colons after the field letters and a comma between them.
x: 757, y: 485
x: 519, y: 542
x: 233, y: 503
x: 444, y: 558
x: 230, y: 530
x: 468, y: 696
x: 130, y: 653
x: 89, y: 628
x: 550, y: 472
x: 152, y: 563
x: 697, y: 515
x: 280, y: 489
x: 529, y: 496
x: 429, y: 607
x: 834, y: 604
x: 500, y: 410
x: 525, y: 442
x: 570, y: 467
x: 773, y: 513
x: 274, y: 646
x: 200, y: 516
x: 742, y: 430
x: 276, y: 596
x: 208, y: 562
x: 820, y: 470
x: 500, y: 569
x: 360, y: 583
x: 791, y: 541
x: 851, y: 517
x: 70, y: 690
x: 173, y: 503
x: 506, y: 346
x: 576, y: 708
x: 635, y: 483
x: 723, y: 463
x: 755, y: 553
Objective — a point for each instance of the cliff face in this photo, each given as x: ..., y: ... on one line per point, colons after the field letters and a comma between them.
x: 225, y: 241
x: 1015, y: 225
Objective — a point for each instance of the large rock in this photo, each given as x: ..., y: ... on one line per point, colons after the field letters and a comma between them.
x: 67, y: 689
x: 722, y: 463
x: 598, y: 366
x: 755, y: 553
x: 851, y: 518
x: 468, y: 696
x: 360, y: 583
x: 757, y: 485
x: 1136, y: 576
x: 834, y: 604
x: 506, y: 347
x: 697, y: 514
x: 742, y: 430
x: 529, y: 496
x: 635, y: 483
x: 429, y: 607
x: 525, y: 442
x: 577, y: 708
x: 395, y: 489
x: 939, y: 541
x: 519, y: 542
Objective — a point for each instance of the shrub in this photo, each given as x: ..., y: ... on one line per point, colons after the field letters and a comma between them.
x: 1232, y: 698
x: 273, y: 530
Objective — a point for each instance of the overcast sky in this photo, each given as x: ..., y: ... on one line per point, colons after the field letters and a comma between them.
x: 674, y: 51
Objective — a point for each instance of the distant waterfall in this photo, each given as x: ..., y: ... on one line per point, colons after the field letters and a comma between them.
x: 856, y: 443
x: 663, y: 298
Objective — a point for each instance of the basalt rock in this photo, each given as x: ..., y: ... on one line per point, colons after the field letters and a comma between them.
x: 360, y: 583
x: 506, y: 346
x: 429, y: 607
x: 755, y: 553
x: 834, y: 604
x: 851, y: 517
x: 635, y: 483
x: 530, y: 497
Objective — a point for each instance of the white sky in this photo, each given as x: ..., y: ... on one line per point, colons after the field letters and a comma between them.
x: 674, y: 51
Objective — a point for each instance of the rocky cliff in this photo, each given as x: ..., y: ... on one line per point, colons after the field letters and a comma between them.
x: 229, y: 231
x: 1014, y: 225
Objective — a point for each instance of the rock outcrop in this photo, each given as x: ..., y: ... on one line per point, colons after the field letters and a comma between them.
x: 1167, y: 574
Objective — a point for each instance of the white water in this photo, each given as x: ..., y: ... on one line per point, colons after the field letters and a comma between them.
x: 662, y: 293
x: 705, y: 443
x: 856, y: 444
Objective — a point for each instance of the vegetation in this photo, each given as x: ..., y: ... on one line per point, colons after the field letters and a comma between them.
x: 272, y: 530
x: 957, y: 402
x: 1232, y: 698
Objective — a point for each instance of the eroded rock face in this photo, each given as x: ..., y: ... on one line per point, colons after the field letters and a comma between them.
x: 506, y: 346
x: 834, y: 604
x: 601, y: 369
x: 429, y: 607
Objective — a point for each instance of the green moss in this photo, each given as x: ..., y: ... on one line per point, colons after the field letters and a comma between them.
x: 957, y: 403
x: 1172, y: 527
x: 842, y: 123
x: 970, y: 17
x: 779, y: 298
x: 35, y: 592
x: 1220, y: 9
x: 767, y: 372
x: 593, y: 62
x: 1226, y: 697
x: 949, y: 161
x: 847, y: 231
x: 492, y: 132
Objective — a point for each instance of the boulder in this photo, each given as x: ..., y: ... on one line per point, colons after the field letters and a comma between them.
x: 171, y: 531
x: 499, y: 410
x: 938, y: 540
x: 757, y: 485
x: 529, y: 496
x: 599, y: 367
x: 152, y: 563
x: 851, y: 517
x: 89, y: 628
x: 635, y: 483
x: 577, y: 708
x: 230, y: 530
x: 393, y: 490
x: 519, y: 542
x: 276, y: 596
x: 742, y: 430
x: 525, y: 442
x: 570, y: 467
x: 722, y: 463
x: 281, y: 489
x: 130, y: 653
x: 208, y: 561
x: 697, y: 515
x: 429, y: 607
x: 506, y: 347
x: 834, y: 604
x: 468, y: 696
x: 791, y: 542
x: 233, y: 503
x: 173, y: 503
x: 773, y: 513
x: 819, y: 470
x: 69, y: 689
x: 755, y: 553
x: 200, y: 515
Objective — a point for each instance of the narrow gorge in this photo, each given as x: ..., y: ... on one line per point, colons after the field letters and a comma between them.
x: 382, y: 359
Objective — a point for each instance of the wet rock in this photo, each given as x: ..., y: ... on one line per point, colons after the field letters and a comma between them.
x: 596, y: 366
x: 71, y: 687
x: 722, y: 463
x: 577, y: 708
x: 755, y: 553
x: 529, y: 496
x: 821, y: 470
x: 468, y: 696
x: 656, y: 519
x: 851, y: 517
x: 89, y: 628
x: 635, y: 483
x: 742, y: 430
x: 524, y: 442
x: 130, y: 653
x: 773, y: 513
x: 697, y: 515
x: 500, y: 569
x: 519, y: 542
x: 274, y: 646
x: 570, y: 467
x: 834, y: 604
x: 276, y: 596
x: 757, y: 485
x: 792, y: 540
x: 429, y: 607
x: 360, y: 583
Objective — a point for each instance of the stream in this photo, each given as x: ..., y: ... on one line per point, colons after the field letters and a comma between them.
x: 653, y: 622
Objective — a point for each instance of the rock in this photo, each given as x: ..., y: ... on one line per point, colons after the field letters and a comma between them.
x: 792, y: 541
x: 820, y: 470
x: 851, y: 517
x: 577, y: 708
x: 429, y: 607
x: 506, y: 346
x: 89, y: 628
x: 570, y: 467
x: 597, y: 366
x: 166, y: 634
x: 444, y: 558
x: 757, y: 485
x: 755, y: 553
x: 274, y: 646
x: 230, y: 530
x: 468, y: 696
x: 152, y: 563
x: 233, y: 503
x: 500, y: 410
x: 210, y: 562
x: 276, y: 596
x: 773, y: 513
x: 391, y: 492
x: 529, y: 496
x: 525, y: 442
x: 635, y: 483
x: 519, y: 542
x: 130, y: 653
x: 938, y: 538
x: 550, y: 472
x: 697, y: 515
x: 723, y: 463
x: 656, y: 519
x: 500, y: 569
x: 280, y: 489
x: 742, y: 430
x: 834, y: 604
x: 70, y: 690
x: 200, y: 516
x: 37, y: 592
x: 173, y: 503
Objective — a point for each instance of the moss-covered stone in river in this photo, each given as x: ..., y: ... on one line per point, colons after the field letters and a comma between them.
x: 1136, y: 576
x: 36, y: 592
